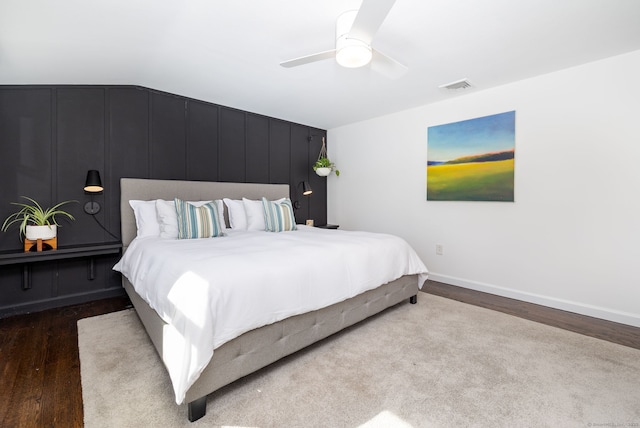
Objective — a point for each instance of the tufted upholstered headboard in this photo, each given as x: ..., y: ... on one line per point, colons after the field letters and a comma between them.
x: 148, y: 189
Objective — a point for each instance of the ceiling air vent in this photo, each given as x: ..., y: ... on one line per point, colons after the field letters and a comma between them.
x: 458, y: 84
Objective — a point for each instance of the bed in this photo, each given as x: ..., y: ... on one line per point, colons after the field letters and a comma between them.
x: 251, y: 350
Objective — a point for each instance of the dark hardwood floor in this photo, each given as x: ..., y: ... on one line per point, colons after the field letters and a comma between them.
x: 40, y: 365
x: 40, y: 368
x: 602, y: 329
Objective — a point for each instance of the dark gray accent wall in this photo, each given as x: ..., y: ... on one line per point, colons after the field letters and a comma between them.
x: 51, y: 135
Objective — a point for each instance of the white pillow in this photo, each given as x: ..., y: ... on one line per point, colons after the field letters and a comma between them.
x: 146, y: 218
x: 168, y: 216
x: 168, y: 219
x: 255, y: 213
x: 237, y: 216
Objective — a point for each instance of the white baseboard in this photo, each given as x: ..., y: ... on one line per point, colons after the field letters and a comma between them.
x: 552, y: 302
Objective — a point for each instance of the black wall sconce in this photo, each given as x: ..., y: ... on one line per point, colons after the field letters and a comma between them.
x: 93, y: 186
x: 306, y: 188
x: 306, y: 191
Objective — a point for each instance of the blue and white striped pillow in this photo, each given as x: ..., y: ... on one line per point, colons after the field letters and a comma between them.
x: 197, y: 222
x: 278, y: 216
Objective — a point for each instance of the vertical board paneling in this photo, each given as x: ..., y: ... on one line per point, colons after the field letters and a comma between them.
x: 168, y: 133
x: 231, y: 165
x: 129, y: 135
x: 299, y: 169
x: 25, y: 168
x: 318, y: 200
x: 129, y: 145
x: 129, y: 141
x: 80, y: 147
x: 279, y: 152
x: 42, y: 278
x: 202, y: 149
x: 25, y: 152
x: 257, y: 156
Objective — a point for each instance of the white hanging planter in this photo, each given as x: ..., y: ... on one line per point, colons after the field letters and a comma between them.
x: 33, y: 233
x: 323, y: 172
x: 323, y: 166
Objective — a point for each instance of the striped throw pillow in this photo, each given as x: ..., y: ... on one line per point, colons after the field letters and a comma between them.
x: 278, y: 216
x: 197, y: 222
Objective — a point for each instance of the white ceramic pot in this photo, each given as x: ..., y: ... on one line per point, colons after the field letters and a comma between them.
x: 33, y: 233
x: 323, y: 172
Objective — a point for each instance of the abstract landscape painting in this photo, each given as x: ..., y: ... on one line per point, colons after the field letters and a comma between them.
x: 472, y: 160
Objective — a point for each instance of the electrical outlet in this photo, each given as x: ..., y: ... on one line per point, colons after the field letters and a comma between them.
x: 309, y: 222
x: 439, y: 249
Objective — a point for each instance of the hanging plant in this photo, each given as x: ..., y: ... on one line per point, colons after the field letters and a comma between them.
x: 323, y: 165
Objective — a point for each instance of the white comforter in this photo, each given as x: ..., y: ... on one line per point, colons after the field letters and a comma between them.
x: 213, y: 290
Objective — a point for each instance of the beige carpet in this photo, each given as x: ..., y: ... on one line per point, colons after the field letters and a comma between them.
x: 439, y: 363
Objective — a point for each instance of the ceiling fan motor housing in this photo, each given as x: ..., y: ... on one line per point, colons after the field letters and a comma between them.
x: 350, y: 52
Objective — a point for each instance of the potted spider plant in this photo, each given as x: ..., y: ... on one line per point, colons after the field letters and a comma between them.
x: 36, y: 222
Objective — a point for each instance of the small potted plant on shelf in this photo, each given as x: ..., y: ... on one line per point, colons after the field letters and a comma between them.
x: 323, y: 165
x: 35, y: 221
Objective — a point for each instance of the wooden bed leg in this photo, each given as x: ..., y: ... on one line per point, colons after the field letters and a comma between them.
x: 197, y: 408
x: 413, y: 299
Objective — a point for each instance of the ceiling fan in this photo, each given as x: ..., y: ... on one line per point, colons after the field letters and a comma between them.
x: 355, y: 30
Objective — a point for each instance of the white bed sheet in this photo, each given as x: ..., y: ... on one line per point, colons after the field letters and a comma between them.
x: 213, y: 290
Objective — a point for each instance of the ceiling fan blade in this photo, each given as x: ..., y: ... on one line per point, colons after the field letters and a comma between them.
x: 309, y: 59
x: 387, y: 66
x: 370, y: 17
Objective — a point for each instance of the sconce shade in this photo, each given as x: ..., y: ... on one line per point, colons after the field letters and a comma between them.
x: 306, y: 189
x: 93, y: 183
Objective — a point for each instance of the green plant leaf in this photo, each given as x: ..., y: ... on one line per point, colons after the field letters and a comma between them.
x: 324, y: 162
x: 34, y: 214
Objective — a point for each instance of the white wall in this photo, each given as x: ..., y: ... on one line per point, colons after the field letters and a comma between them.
x: 571, y: 239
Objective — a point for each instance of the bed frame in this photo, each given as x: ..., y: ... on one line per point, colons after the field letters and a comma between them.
x: 260, y: 347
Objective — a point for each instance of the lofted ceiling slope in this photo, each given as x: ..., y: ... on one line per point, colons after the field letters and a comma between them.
x: 228, y: 52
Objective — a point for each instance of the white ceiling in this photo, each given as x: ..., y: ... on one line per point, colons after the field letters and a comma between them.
x: 228, y: 51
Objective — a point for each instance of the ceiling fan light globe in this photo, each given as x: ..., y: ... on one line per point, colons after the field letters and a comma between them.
x: 350, y: 52
x: 353, y: 53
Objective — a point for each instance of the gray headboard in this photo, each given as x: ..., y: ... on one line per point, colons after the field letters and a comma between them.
x: 147, y: 189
